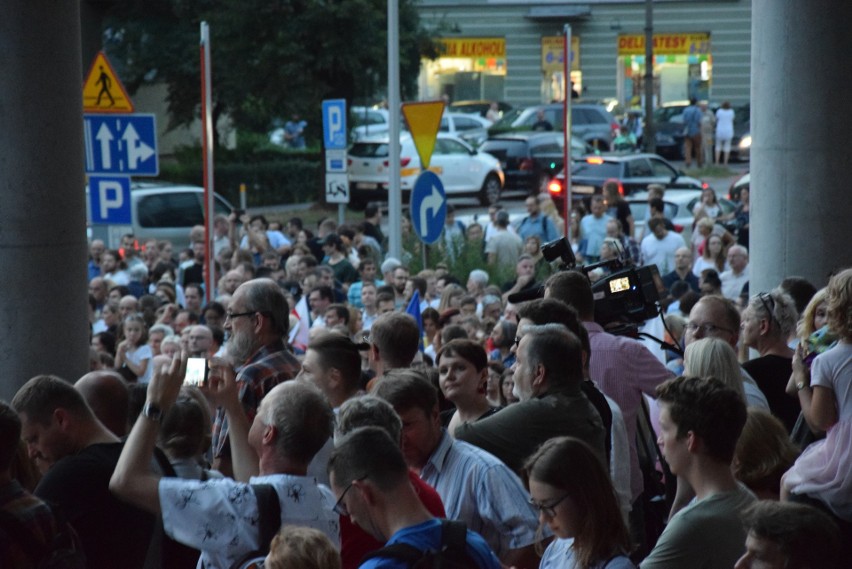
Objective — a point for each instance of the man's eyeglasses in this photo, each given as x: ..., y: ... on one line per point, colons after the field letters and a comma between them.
x: 548, y: 510
x: 707, y: 329
x: 234, y: 315
x: 339, y: 507
x: 769, y: 306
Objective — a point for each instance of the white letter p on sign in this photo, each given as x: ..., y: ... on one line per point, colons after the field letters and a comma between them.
x: 111, y: 197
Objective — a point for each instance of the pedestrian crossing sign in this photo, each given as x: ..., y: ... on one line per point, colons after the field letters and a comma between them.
x: 103, y: 91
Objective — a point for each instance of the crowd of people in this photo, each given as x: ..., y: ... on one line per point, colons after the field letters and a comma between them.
x: 357, y: 405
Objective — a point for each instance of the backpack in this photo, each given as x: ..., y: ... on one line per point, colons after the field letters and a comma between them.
x: 268, y: 524
x: 452, y: 554
x: 65, y: 551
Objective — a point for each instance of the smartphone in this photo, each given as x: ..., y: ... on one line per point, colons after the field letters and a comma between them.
x: 196, y: 372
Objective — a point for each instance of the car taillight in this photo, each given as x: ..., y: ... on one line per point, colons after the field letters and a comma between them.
x: 349, y: 162
x: 526, y: 164
x: 705, y: 185
x: 594, y: 160
x: 555, y: 187
x: 402, y: 162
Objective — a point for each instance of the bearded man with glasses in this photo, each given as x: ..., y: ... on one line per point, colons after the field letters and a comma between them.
x: 257, y: 322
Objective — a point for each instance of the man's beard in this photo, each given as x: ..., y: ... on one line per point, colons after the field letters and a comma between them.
x: 240, y: 348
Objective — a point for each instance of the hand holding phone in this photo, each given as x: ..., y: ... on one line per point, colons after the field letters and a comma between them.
x: 196, y: 372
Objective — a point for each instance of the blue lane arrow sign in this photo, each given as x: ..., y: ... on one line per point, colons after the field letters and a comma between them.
x: 428, y: 207
x: 121, y: 144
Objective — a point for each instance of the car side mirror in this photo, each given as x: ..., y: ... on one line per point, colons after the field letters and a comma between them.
x: 473, y: 151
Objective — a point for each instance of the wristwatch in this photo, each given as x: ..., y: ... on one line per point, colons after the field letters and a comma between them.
x: 152, y: 411
x: 800, y: 385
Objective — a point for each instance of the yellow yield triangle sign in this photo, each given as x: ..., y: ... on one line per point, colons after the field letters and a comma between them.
x: 424, y: 120
x: 102, y: 91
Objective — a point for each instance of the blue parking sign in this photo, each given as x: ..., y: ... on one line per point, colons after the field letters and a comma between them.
x: 109, y: 200
x: 334, y: 124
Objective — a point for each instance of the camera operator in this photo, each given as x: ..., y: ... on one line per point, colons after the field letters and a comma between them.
x: 623, y: 368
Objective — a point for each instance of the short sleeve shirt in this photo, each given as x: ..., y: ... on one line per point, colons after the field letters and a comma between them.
x: 220, y: 517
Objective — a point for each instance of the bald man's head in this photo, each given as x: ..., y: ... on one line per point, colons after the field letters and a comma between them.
x: 106, y: 393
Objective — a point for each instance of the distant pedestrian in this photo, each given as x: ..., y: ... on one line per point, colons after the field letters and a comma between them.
x: 294, y: 132
x: 692, y: 134
x: 724, y: 131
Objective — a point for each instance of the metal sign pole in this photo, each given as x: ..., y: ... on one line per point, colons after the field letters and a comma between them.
x: 207, y: 157
x: 568, y: 92
x: 394, y: 194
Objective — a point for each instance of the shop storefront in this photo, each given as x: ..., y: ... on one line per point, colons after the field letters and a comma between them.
x: 467, y: 69
x: 683, y: 67
x: 553, y: 67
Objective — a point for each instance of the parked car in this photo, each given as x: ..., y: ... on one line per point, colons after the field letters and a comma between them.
x: 591, y: 122
x: 633, y: 172
x: 478, y: 107
x: 368, y: 121
x: 668, y: 126
x: 159, y: 210
x: 678, y: 209
x: 462, y: 169
x: 471, y: 128
x: 530, y: 159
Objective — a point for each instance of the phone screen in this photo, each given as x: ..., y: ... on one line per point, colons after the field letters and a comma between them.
x: 196, y: 371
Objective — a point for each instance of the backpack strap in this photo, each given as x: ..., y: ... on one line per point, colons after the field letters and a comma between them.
x: 453, y: 536
x: 269, y: 513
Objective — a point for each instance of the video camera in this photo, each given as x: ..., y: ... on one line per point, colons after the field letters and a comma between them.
x: 628, y: 295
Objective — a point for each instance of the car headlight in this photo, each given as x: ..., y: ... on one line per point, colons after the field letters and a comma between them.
x: 745, y: 142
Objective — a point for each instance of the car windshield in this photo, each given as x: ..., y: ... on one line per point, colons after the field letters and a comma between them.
x: 369, y: 150
x: 508, y: 118
x: 603, y: 171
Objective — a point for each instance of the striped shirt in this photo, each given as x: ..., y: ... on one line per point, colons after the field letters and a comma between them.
x: 624, y: 369
x: 478, y: 489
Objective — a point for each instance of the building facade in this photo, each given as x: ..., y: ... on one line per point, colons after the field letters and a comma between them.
x: 511, y: 51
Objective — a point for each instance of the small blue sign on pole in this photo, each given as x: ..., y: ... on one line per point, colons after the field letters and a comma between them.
x: 109, y: 200
x: 123, y: 145
x: 428, y: 207
x: 334, y: 124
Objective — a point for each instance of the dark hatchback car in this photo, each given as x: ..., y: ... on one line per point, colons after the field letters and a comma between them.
x: 531, y: 159
x: 633, y: 172
x: 590, y: 122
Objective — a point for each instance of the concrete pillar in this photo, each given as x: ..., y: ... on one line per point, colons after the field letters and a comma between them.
x: 43, y: 291
x: 801, y: 125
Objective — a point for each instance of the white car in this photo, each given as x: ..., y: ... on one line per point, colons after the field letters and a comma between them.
x: 471, y: 128
x: 367, y: 121
x: 679, y: 204
x: 159, y: 210
x: 463, y: 170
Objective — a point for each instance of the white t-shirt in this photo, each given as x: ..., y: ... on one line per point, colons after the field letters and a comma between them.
x: 137, y: 356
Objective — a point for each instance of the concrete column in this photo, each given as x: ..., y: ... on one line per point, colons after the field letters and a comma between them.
x: 801, y: 190
x: 43, y: 291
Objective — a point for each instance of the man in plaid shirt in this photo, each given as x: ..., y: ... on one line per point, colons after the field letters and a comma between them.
x: 258, y: 322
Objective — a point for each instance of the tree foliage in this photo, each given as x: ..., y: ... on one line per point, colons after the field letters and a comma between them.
x: 271, y: 58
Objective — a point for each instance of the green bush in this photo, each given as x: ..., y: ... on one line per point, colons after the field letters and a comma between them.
x: 272, y: 175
